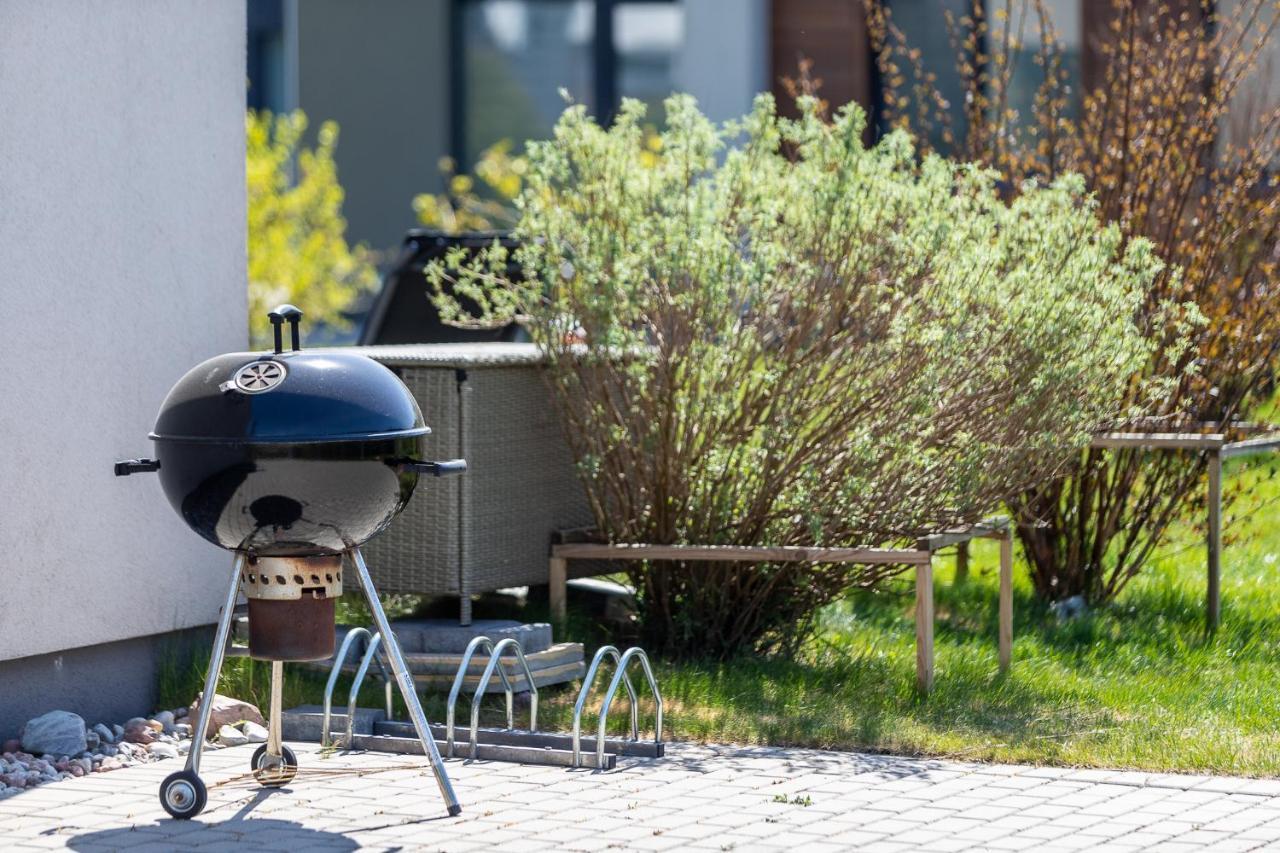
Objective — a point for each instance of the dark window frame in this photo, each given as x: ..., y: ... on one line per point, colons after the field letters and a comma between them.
x: 604, y: 69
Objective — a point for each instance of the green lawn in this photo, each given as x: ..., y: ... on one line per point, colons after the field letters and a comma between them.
x: 1135, y: 685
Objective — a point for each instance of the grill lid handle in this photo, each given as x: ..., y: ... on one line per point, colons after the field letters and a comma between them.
x: 443, y: 468
x: 278, y: 317
x: 136, y: 466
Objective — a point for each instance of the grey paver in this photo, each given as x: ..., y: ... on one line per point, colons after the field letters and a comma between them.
x: 699, y: 797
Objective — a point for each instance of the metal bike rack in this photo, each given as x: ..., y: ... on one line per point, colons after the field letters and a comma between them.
x: 509, y: 744
x: 588, y: 681
x: 619, y: 676
x: 494, y: 662
x: 458, y: 679
x: 339, y: 660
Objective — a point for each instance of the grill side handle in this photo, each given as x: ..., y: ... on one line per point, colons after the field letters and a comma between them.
x: 443, y: 468
x: 125, y: 467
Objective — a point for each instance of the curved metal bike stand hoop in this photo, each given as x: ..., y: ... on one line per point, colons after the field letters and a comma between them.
x: 476, y: 642
x: 633, y: 652
x: 370, y: 655
x: 588, y: 681
x: 494, y: 663
x: 338, y: 660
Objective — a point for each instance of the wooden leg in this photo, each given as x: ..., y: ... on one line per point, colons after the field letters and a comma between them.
x: 1214, y: 543
x: 962, y: 562
x: 1006, y: 601
x: 924, y: 626
x: 559, y: 577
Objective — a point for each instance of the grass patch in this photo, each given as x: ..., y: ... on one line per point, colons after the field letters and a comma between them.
x: 1136, y: 684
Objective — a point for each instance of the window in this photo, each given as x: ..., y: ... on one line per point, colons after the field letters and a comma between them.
x: 516, y: 55
x: 924, y: 26
x: 1066, y: 19
x: 265, y: 55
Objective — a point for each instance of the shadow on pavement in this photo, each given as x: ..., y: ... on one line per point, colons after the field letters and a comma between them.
x: 238, y: 831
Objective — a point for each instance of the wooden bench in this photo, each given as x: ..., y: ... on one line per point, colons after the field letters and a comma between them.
x: 921, y: 557
x: 1218, y: 449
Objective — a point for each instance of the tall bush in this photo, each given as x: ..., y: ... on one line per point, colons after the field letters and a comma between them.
x: 298, y: 251
x: 1174, y: 139
x: 478, y: 202
x: 771, y: 334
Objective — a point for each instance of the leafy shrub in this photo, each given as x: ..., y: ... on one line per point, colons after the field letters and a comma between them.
x: 481, y: 202
x: 298, y: 250
x: 771, y: 334
x: 1176, y: 141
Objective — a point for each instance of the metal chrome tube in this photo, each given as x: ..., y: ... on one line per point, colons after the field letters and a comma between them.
x: 338, y: 660
x: 404, y: 678
x: 633, y: 652
x: 496, y: 663
x: 451, y: 709
x: 369, y: 655
x: 215, y: 666
x: 273, y: 718
x: 588, y: 681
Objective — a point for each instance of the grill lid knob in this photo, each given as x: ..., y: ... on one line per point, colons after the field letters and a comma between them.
x: 278, y: 317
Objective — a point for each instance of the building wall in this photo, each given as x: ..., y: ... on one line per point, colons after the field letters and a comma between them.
x: 725, y: 60
x: 122, y: 264
x: 832, y: 35
x: 381, y: 71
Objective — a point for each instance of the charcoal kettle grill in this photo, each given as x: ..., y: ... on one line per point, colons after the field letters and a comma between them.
x: 291, y: 460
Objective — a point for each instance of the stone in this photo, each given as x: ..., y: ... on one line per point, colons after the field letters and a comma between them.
x: 162, y: 750
x: 77, y: 770
x: 304, y: 722
x: 226, y: 711
x: 1069, y: 608
x: 118, y: 731
x: 92, y: 740
x: 182, y: 730
x: 446, y: 636
x: 166, y: 720
x: 155, y: 726
x: 104, y: 734
x: 254, y: 732
x: 57, y: 732
x: 137, y: 731
x: 231, y: 736
x: 11, y: 745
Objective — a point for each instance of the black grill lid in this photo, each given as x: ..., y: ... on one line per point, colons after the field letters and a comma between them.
x: 288, y: 397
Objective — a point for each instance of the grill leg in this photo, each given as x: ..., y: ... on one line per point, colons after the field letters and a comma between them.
x: 404, y: 678
x: 273, y: 718
x: 215, y: 666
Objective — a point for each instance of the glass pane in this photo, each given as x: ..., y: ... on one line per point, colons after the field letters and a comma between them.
x: 518, y: 54
x: 646, y: 38
x: 1028, y: 36
x: 924, y: 26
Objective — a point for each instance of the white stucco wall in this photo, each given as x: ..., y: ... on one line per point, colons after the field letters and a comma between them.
x: 122, y: 264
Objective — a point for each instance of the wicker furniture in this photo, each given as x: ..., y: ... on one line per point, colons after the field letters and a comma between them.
x: 490, y: 528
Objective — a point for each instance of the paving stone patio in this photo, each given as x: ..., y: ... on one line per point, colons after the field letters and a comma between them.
x: 715, y: 798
